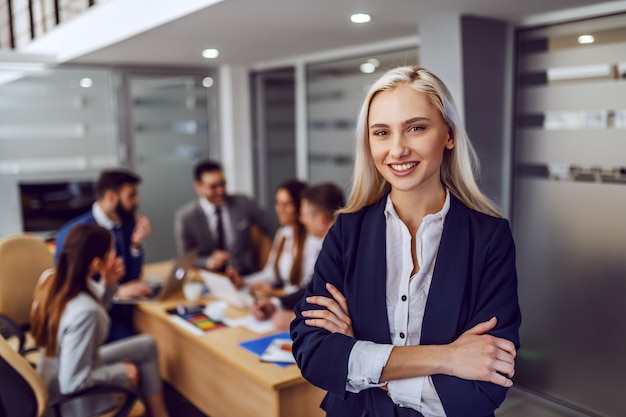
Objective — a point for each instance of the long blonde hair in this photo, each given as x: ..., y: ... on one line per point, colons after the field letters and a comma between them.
x: 459, y: 167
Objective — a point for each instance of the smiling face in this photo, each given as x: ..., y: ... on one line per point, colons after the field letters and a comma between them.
x: 407, y: 139
x: 212, y: 186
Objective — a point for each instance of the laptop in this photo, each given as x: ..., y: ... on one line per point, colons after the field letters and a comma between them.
x: 171, y: 285
x: 222, y: 287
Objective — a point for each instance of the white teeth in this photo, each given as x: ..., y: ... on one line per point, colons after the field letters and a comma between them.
x: 403, y: 167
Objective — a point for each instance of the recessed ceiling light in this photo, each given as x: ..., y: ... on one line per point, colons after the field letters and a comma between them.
x: 210, y: 53
x: 207, y: 82
x: 586, y: 39
x: 85, y: 82
x: 367, y: 68
x: 360, y: 18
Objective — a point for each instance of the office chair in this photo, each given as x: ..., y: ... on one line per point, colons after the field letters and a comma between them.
x: 23, y: 393
x: 262, y: 245
x: 22, y: 260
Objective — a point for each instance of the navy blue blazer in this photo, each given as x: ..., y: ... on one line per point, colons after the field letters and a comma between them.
x: 133, y: 264
x: 474, y: 279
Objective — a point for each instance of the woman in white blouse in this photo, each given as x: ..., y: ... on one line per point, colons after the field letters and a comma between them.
x: 290, y: 263
x: 413, y: 310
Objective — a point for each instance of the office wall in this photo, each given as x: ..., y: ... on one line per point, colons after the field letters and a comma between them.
x: 473, y: 56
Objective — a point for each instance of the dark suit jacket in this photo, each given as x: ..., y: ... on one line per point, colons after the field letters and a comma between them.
x: 133, y: 264
x: 191, y: 230
x: 474, y: 279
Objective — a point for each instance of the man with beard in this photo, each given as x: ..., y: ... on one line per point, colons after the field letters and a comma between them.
x: 115, y: 209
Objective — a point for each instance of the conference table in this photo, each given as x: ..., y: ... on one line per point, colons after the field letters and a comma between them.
x: 219, y: 377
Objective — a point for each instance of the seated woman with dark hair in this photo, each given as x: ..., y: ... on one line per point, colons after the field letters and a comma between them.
x: 289, y: 266
x: 70, y: 325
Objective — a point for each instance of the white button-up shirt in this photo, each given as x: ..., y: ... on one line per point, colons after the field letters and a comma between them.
x: 406, y: 301
x: 312, y: 247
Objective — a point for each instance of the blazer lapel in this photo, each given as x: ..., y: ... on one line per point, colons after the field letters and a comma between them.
x: 448, y: 285
x: 372, y: 275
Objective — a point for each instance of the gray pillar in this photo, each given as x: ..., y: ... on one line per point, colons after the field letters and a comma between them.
x: 472, y: 55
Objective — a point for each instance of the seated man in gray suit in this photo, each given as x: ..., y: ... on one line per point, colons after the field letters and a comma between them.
x: 217, y: 225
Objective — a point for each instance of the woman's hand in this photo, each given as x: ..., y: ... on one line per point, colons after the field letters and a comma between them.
x: 479, y: 356
x: 265, y: 290
x: 113, y: 269
x: 132, y: 373
x: 262, y: 309
x: 133, y: 289
x: 335, y: 318
x: 233, y: 274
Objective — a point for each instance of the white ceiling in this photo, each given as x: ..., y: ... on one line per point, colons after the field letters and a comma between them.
x: 249, y: 32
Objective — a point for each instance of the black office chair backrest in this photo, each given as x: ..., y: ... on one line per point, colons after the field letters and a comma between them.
x: 22, y: 393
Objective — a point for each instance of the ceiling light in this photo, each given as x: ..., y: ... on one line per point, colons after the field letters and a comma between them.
x: 210, y: 53
x: 374, y: 62
x: 586, y: 39
x: 85, y: 82
x: 207, y: 82
x: 367, y: 68
x: 360, y: 18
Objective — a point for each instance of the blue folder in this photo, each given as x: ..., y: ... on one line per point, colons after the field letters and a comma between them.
x: 258, y: 346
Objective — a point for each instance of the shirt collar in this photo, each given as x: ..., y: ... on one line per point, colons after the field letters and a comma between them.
x: 207, y: 207
x: 390, y: 211
x: 101, y: 218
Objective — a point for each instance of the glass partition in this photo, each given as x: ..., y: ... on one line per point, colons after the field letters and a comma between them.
x: 170, y: 127
x: 569, y: 204
x: 55, y: 125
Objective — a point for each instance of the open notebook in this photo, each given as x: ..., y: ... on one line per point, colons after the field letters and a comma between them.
x: 221, y: 287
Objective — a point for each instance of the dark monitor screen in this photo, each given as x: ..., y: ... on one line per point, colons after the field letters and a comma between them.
x: 48, y: 206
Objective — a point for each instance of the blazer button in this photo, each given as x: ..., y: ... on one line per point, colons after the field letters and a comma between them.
x: 401, y: 335
x: 404, y: 298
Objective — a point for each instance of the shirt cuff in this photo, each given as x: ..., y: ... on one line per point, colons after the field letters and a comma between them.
x: 418, y: 393
x: 365, y: 365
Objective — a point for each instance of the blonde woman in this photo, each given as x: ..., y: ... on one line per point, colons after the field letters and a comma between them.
x: 413, y: 307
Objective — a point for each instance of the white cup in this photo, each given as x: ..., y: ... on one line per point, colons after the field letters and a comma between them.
x: 216, y: 310
x: 192, y: 291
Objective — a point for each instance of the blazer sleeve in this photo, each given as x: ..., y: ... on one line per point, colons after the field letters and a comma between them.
x: 134, y: 266
x: 78, y: 348
x: 322, y: 356
x: 496, y: 295
x: 289, y: 301
x: 184, y: 238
